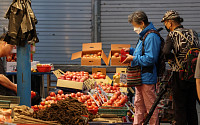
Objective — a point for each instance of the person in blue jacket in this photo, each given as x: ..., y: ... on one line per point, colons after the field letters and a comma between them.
x: 145, y: 94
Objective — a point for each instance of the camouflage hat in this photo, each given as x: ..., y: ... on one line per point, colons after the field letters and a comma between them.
x: 170, y: 15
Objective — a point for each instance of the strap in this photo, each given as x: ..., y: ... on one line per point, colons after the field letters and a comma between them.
x: 180, y: 33
x: 147, y: 33
x: 179, y: 65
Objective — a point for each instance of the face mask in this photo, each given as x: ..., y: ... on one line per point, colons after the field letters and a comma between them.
x: 168, y: 30
x: 137, y: 30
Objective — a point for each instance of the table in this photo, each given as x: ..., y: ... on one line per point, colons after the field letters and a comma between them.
x: 42, y: 92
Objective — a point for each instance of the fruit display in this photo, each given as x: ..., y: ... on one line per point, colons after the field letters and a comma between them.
x: 120, y: 84
x: 12, y: 58
x: 98, y: 55
x: 75, y: 76
x: 98, y: 75
x: 117, y: 100
x: 108, y: 88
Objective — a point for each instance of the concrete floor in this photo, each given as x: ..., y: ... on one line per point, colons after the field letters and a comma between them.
x: 198, y: 111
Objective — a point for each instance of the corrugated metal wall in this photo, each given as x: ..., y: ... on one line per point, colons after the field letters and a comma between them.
x: 63, y: 25
x: 114, y: 17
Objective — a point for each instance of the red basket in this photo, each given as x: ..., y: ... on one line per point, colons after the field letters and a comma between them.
x: 44, y: 68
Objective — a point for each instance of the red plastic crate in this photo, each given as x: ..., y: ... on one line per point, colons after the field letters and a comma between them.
x: 43, y: 68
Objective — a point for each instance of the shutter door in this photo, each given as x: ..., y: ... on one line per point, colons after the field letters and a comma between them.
x: 115, y: 28
x: 63, y: 25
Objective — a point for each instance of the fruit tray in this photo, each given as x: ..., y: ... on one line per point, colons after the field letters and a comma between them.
x: 119, y: 111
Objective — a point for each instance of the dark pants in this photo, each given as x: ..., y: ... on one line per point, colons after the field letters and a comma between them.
x: 184, y: 95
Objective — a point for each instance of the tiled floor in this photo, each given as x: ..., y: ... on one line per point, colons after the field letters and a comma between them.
x: 198, y: 110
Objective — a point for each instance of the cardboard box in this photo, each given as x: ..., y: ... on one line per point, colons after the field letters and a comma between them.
x: 95, y: 70
x: 70, y: 84
x: 103, y: 70
x: 86, y: 85
x: 116, y: 48
x: 90, y: 48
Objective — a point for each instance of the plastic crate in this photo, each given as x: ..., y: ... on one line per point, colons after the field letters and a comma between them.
x: 44, y: 68
x: 13, y: 99
x: 119, y: 111
x: 4, y: 104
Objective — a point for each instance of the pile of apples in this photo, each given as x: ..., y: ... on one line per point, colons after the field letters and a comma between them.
x: 116, y: 55
x: 98, y: 75
x: 12, y: 58
x: 117, y: 100
x: 52, y: 98
x: 33, y: 94
x: 75, y: 76
x: 98, y: 55
x: 108, y: 88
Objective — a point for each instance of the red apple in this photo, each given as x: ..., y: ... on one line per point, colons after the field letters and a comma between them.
x: 102, y: 76
x: 42, y: 103
x: 68, y: 79
x: 116, y: 54
x: 73, y: 95
x: 60, y: 92
x: 99, y: 54
x: 95, y: 77
x: 52, y: 94
x: 78, y: 94
x: 116, y: 84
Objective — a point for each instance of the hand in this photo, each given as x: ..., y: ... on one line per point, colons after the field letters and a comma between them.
x: 126, y: 49
x: 128, y: 59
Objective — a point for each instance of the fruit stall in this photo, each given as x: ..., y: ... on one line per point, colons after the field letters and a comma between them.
x: 89, y: 93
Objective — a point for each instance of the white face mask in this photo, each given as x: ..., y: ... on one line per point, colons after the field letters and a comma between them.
x: 137, y: 30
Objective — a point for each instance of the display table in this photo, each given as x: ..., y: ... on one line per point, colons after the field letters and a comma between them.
x: 42, y: 92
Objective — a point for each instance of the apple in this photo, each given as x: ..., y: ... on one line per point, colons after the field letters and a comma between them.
x: 121, y: 84
x: 99, y: 54
x: 68, y: 79
x: 66, y: 95
x: 73, y: 95
x: 116, y: 54
x: 95, y: 77
x: 62, y: 77
x: 42, y: 103
x: 77, y: 80
x: 99, y: 73
x: 62, y: 96
x: 59, y: 98
x: 78, y: 94
x: 60, y: 92
x: 48, y: 98
x: 52, y: 94
x: 116, y: 85
x: 102, y: 76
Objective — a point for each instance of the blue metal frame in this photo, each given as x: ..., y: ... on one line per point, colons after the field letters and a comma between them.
x: 24, y: 75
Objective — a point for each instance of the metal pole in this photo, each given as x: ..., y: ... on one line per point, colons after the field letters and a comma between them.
x: 96, y: 21
x: 24, y: 74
